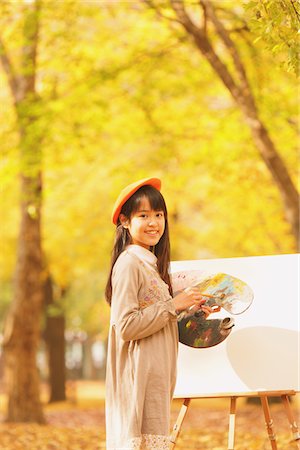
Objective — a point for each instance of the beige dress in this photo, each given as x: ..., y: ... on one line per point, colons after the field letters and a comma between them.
x: 142, y: 355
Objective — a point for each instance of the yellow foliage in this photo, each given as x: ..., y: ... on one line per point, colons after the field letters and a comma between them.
x: 124, y: 96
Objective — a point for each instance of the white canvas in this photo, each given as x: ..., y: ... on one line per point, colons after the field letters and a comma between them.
x: 262, y: 351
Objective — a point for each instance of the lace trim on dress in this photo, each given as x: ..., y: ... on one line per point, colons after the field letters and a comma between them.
x: 145, y: 442
x: 155, y: 442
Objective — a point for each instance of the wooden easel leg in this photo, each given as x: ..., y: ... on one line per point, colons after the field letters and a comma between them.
x: 177, y: 426
x: 269, y: 421
x: 232, y: 423
x: 291, y: 419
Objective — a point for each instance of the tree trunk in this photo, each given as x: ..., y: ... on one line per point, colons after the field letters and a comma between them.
x: 55, y: 329
x: 22, y: 326
x: 240, y: 90
x: 55, y: 340
x: 278, y: 170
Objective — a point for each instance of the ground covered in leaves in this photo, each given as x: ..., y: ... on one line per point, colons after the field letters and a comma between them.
x: 80, y: 425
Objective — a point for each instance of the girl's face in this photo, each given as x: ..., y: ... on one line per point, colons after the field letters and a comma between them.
x: 146, y: 226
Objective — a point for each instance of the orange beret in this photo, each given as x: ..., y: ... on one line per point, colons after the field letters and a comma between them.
x: 129, y: 191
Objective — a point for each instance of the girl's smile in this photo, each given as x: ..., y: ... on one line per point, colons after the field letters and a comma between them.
x: 146, y: 226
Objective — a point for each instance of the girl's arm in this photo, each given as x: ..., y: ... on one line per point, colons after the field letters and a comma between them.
x: 130, y: 320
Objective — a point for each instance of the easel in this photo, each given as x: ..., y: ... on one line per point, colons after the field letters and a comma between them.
x: 263, y: 395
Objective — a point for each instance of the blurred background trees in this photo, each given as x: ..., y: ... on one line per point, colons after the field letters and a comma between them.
x: 120, y: 91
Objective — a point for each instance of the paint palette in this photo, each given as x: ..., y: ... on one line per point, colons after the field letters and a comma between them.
x: 221, y: 291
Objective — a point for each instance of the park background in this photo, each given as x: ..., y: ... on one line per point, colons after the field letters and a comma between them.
x: 95, y: 95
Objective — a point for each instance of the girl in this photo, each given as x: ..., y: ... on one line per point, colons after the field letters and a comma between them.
x: 143, y: 336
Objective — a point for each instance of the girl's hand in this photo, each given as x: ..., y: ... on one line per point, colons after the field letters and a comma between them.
x: 207, y: 310
x: 190, y: 297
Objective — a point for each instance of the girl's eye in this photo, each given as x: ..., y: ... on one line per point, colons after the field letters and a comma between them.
x: 159, y: 214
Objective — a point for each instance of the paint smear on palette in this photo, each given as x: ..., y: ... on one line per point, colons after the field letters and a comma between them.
x: 231, y: 293
x: 188, y: 278
x: 235, y: 296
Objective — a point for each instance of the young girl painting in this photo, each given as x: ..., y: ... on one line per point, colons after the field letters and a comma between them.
x: 143, y: 335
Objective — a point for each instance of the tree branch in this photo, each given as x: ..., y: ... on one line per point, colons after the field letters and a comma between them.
x: 224, y: 35
x: 184, y: 18
x: 294, y: 8
x: 10, y: 72
x: 202, y: 42
x: 151, y: 5
x: 25, y: 82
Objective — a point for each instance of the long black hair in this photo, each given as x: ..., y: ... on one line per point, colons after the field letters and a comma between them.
x: 123, y: 238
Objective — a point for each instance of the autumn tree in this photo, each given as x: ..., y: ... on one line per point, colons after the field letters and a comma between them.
x: 203, y: 25
x: 22, y: 329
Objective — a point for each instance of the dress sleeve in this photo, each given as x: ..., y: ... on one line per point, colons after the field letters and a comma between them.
x: 130, y: 320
